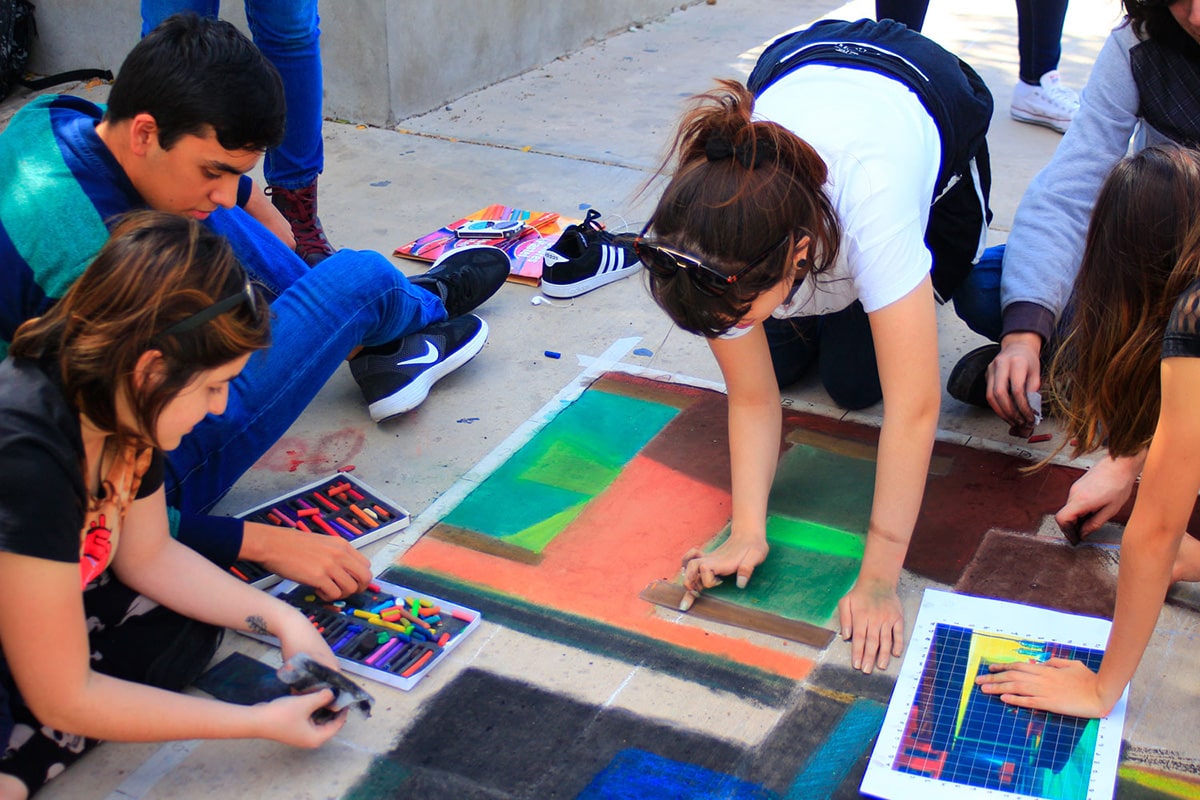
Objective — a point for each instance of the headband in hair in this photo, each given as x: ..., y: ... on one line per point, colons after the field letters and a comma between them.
x: 750, y: 155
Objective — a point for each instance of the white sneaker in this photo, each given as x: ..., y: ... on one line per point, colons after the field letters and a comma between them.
x: 1049, y: 103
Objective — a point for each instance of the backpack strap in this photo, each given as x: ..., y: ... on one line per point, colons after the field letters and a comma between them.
x: 37, y: 84
x: 20, y: 26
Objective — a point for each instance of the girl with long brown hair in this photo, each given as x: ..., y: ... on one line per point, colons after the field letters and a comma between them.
x: 1127, y: 378
x: 1143, y: 87
x: 812, y: 219
x: 139, y: 350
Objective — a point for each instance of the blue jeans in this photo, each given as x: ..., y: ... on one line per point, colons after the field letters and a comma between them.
x: 287, y: 33
x: 977, y: 300
x: 320, y: 314
x: 1039, y: 30
x: 840, y: 343
x: 1039, y: 38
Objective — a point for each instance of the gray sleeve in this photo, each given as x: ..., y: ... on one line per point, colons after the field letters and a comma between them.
x: 1048, y: 233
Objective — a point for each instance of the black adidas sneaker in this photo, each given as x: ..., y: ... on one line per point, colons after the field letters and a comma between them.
x: 584, y: 258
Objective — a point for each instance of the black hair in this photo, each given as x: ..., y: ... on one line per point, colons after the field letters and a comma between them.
x: 191, y: 74
x: 1154, y: 20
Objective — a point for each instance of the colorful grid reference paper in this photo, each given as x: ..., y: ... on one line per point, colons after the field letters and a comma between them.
x: 542, y: 230
x: 944, y: 738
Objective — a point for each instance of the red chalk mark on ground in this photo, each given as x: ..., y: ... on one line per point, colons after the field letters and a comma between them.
x: 295, y: 454
x: 624, y: 539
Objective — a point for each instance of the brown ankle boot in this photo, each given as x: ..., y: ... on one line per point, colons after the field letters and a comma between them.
x: 299, y: 208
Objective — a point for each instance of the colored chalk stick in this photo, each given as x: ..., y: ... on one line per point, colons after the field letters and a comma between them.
x: 422, y: 661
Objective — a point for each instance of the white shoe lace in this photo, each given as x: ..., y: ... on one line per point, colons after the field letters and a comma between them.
x: 1061, y: 96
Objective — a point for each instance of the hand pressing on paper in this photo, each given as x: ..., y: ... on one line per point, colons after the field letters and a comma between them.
x: 1059, y: 685
x: 872, y: 619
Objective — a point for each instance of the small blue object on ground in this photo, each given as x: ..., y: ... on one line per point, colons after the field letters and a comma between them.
x: 642, y: 351
x: 552, y: 354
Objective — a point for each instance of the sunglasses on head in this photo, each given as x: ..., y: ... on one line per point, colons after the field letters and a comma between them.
x: 665, y: 262
x: 247, y: 296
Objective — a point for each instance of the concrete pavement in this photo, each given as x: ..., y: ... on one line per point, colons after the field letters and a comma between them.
x: 586, y: 130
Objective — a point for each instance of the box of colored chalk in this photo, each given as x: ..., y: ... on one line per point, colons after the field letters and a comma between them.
x: 340, y: 505
x: 388, y: 633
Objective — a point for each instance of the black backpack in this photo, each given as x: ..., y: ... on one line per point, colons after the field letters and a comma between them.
x: 17, y: 32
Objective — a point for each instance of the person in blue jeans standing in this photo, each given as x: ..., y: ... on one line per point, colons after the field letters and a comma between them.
x: 288, y: 34
x: 1039, y: 97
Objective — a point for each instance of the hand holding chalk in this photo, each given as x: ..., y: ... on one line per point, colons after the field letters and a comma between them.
x: 1013, y: 374
x: 290, y: 719
x: 330, y: 564
x: 1098, y: 495
x: 306, y: 675
x: 739, y: 554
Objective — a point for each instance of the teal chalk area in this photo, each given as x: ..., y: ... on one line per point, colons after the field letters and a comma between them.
x: 575, y: 457
x: 850, y: 741
x: 637, y: 774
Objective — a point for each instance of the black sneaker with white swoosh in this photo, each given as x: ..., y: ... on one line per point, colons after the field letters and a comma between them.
x: 586, y: 257
x: 397, y: 377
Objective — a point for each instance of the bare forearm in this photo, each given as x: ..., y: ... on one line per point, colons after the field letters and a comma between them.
x: 115, y: 710
x: 186, y: 582
x: 1141, y: 587
x: 905, y: 448
x: 754, y: 436
x: 1127, y: 467
x: 262, y: 209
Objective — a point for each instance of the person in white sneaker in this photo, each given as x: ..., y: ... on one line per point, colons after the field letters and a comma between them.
x: 1039, y: 97
x: 1144, y: 86
x: 1046, y: 102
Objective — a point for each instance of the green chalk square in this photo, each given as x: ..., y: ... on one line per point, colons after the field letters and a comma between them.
x: 829, y: 488
x: 809, y: 569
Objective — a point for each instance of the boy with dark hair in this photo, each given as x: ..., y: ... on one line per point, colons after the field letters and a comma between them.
x: 190, y: 113
x: 289, y: 36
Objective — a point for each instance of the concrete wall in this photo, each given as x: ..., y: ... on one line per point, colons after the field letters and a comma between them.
x: 384, y: 59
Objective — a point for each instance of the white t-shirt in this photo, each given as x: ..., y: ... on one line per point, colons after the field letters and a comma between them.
x: 883, y: 153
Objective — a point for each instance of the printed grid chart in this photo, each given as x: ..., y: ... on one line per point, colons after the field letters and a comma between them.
x: 943, y: 737
x: 957, y: 733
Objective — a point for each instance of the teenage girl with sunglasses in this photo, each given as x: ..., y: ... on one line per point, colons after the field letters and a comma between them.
x: 1127, y: 377
x: 796, y: 234
x: 138, y: 351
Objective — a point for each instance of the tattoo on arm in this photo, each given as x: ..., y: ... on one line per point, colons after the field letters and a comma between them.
x: 257, y: 624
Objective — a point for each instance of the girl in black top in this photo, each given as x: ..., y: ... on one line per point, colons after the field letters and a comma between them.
x: 140, y: 349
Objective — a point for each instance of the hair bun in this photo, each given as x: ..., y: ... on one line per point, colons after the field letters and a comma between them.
x: 750, y: 154
x: 718, y: 148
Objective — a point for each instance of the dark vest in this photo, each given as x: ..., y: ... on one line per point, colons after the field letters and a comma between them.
x: 1166, y: 71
